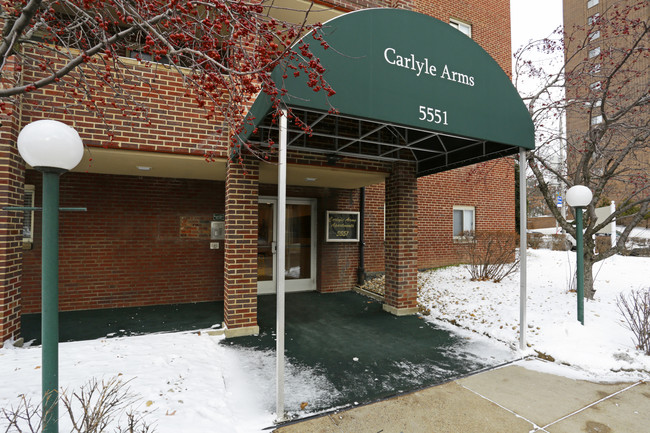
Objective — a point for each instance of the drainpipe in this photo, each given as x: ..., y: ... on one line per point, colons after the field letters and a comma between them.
x: 361, y: 271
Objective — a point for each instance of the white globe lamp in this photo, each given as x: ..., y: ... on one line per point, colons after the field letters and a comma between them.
x: 50, y: 144
x: 578, y: 196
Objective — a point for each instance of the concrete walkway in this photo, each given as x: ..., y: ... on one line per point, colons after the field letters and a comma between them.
x: 511, y: 399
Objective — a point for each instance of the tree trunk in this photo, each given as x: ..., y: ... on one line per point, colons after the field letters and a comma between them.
x: 589, y: 277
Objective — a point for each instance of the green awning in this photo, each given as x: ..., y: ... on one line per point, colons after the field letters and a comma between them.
x: 408, y: 87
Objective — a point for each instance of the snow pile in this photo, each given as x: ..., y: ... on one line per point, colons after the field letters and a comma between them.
x: 185, y: 382
x: 602, y: 349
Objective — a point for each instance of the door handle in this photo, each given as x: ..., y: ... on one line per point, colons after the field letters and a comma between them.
x: 274, y: 247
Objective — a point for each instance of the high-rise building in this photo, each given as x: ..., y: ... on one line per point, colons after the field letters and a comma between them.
x: 607, y: 91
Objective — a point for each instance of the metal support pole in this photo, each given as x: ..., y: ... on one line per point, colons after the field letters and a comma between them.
x: 281, y: 228
x: 50, y: 299
x: 612, y: 209
x: 523, y: 223
x: 580, y: 266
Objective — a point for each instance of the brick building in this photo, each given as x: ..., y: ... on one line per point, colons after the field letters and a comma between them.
x: 164, y: 226
x: 600, y: 33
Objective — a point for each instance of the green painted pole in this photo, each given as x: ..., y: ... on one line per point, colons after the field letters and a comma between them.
x: 580, y: 266
x: 50, y: 299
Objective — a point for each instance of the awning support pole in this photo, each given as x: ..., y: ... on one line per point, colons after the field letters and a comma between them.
x: 523, y: 223
x: 280, y: 257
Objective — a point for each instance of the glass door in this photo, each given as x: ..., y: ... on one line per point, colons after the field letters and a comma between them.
x: 300, y: 251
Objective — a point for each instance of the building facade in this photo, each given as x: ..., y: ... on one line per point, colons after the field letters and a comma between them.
x: 165, y: 226
x: 602, y: 86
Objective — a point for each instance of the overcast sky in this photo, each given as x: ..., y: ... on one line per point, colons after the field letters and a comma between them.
x: 533, y: 19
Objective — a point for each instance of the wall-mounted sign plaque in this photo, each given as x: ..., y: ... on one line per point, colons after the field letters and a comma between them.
x: 342, y: 226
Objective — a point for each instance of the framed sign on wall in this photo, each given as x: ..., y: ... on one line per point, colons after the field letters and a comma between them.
x: 342, y: 226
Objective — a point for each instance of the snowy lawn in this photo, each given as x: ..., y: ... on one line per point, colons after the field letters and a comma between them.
x: 185, y: 382
x: 189, y: 382
x: 603, y: 349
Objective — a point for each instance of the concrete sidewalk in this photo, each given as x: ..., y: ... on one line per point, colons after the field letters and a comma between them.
x: 511, y: 399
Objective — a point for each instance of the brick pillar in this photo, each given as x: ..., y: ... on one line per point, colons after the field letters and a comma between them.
x: 401, y: 240
x: 12, y: 178
x: 240, y: 249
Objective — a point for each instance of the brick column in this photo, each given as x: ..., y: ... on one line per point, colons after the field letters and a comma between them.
x: 401, y: 240
x: 240, y: 249
x: 12, y: 178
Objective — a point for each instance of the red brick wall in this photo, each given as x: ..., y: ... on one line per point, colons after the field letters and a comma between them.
x: 373, y: 234
x: 401, y: 237
x: 143, y: 241
x: 240, y: 280
x: 352, y: 5
x: 338, y: 261
x: 11, y: 194
x: 174, y: 123
x: 490, y: 20
x: 489, y: 187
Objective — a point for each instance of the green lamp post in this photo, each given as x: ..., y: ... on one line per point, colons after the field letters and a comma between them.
x: 52, y: 148
x: 579, y: 197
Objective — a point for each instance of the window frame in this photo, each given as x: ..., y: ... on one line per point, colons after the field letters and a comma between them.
x: 29, y: 189
x: 594, y: 35
x: 593, y: 19
x: 594, y: 52
x: 596, y: 120
x: 471, y: 232
x: 460, y: 25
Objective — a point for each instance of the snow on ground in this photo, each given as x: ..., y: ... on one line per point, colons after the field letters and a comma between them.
x: 185, y: 382
x: 602, y: 349
x: 189, y: 382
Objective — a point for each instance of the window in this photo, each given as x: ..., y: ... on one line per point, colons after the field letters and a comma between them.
x: 592, y: 3
x: 595, y: 35
x: 593, y: 19
x: 28, y: 215
x: 595, y: 69
x: 596, y: 86
x: 463, y: 27
x: 595, y: 52
x: 463, y: 221
x: 597, y: 120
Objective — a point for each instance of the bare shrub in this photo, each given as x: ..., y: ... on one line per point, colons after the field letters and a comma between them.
x: 603, y: 243
x: 535, y: 240
x: 25, y: 417
x: 490, y: 255
x: 635, y: 308
x: 559, y: 242
x: 95, y: 408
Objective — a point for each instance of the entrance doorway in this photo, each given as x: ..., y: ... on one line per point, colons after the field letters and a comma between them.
x: 300, y: 251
